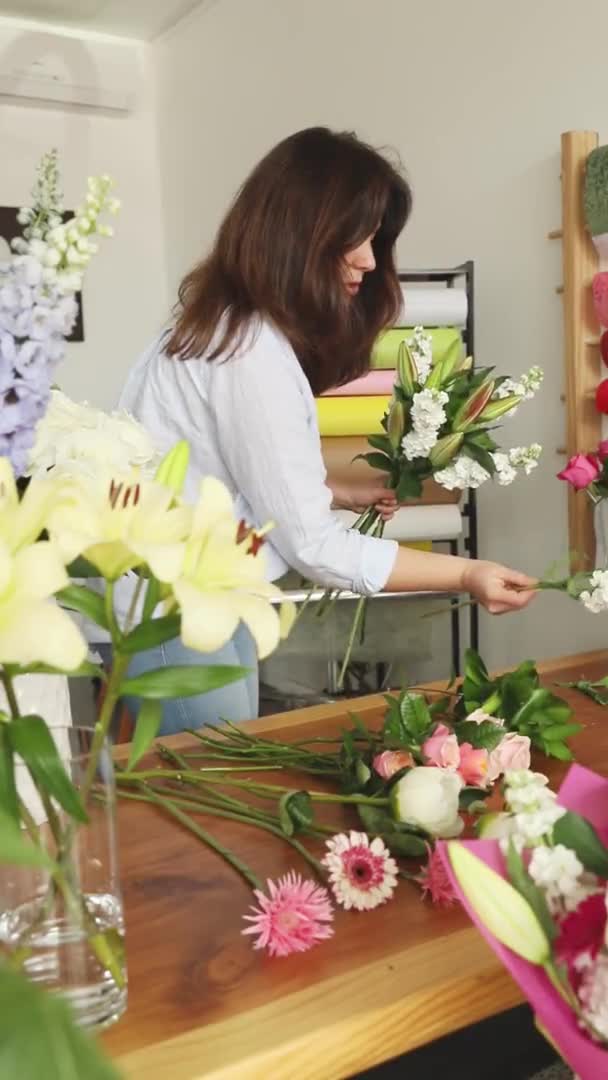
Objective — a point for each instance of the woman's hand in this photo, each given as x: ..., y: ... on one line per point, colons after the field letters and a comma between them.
x: 496, y: 587
x: 361, y: 496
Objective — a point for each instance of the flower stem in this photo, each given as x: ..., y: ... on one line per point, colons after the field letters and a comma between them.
x: 256, y: 788
x: 170, y: 805
x: 231, y: 815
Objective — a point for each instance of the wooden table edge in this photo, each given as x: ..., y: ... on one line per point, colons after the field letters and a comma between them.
x: 369, y: 1015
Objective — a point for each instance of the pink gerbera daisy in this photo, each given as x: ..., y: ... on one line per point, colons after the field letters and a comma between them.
x: 292, y: 918
x: 435, y: 881
x: 362, y: 872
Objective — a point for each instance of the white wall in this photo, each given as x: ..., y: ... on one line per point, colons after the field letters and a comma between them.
x: 474, y: 96
x: 125, y: 296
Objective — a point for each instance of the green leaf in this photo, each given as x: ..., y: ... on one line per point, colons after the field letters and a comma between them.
x: 377, y: 461
x: 18, y: 850
x: 380, y: 442
x: 82, y: 568
x: 182, y: 680
x: 415, y: 714
x: 39, y: 1037
x: 80, y: 598
x: 555, y: 749
x: 560, y: 732
x: 478, y: 454
x: 484, y: 736
x: 375, y: 820
x: 405, y: 844
x: 574, y: 832
x: 475, y: 671
x: 409, y: 486
x: 146, y: 729
x: 394, y: 733
x: 151, y: 633
x: 521, y: 880
x: 295, y: 811
x: 32, y: 740
x: 441, y: 705
x: 8, y: 790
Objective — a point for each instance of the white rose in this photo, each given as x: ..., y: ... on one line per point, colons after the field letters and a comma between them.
x: 428, y: 798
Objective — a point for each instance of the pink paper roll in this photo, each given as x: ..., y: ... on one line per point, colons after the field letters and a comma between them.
x: 375, y: 382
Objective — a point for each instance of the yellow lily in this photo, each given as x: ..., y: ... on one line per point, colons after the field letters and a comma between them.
x: 33, y: 628
x: 499, y: 907
x: 120, y: 523
x: 222, y: 580
x: 23, y: 520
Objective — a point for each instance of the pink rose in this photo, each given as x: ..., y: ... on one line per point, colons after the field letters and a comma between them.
x: 513, y: 752
x: 581, y: 470
x: 442, y: 749
x: 602, y: 450
x: 473, y: 765
x: 392, y: 761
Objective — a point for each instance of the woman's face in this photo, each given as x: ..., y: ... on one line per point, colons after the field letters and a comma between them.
x: 358, y: 262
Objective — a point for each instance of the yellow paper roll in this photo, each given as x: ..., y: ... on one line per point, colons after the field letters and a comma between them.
x: 351, y: 415
x: 384, y: 354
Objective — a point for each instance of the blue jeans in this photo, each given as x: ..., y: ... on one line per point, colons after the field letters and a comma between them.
x: 238, y: 701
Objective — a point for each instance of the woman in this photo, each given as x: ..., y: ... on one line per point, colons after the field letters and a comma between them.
x: 300, y: 282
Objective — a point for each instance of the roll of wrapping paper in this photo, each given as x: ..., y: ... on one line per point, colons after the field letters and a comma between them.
x: 351, y: 415
x: 338, y: 454
x: 375, y: 382
x: 384, y: 354
x: 425, y: 305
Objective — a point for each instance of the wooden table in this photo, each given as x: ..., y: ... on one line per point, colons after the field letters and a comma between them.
x: 202, y: 1003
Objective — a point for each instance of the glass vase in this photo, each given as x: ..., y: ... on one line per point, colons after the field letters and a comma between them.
x: 66, y: 931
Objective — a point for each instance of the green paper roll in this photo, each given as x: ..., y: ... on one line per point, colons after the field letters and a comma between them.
x: 384, y: 354
x: 351, y: 415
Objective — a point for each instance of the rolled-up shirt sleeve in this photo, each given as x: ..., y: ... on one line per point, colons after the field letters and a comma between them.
x: 268, y: 437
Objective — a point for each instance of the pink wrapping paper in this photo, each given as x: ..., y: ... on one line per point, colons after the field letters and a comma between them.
x: 375, y: 382
x: 584, y: 793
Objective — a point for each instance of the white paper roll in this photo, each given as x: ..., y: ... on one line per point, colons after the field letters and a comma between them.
x: 413, y: 523
x: 431, y: 306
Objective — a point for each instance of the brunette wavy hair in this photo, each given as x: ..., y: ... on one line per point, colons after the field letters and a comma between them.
x: 316, y: 196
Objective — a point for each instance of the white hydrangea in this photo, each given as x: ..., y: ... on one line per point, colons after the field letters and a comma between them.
x: 421, y: 348
x: 427, y: 415
x: 595, y: 598
x: 462, y: 473
x: 78, y: 439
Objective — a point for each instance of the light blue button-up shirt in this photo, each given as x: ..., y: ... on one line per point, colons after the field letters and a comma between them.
x: 252, y: 422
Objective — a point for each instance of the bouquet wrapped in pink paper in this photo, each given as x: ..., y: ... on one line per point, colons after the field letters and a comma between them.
x: 535, y: 885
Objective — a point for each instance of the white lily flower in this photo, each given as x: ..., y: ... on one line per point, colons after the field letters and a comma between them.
x: 121, y: 523
x: 33, y: 628
x: 222, y: 581
x: 23, y: 520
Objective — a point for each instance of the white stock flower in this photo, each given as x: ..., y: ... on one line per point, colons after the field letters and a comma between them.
x: 525, y: 457
x: 421, y: 348
x: 427, y: 797
x: 595, y: 598
x: 505, y: 473
x: 533, y: 805
x: 560, y: 874
x: 462, y: 473
x: 525, y: 387
x: 427, y: 416
x: 418, y: 444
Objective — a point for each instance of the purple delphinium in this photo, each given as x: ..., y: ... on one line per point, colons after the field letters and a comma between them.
x: 34, y: 321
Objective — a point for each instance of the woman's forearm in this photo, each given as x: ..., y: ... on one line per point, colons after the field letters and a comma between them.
x: 422, y: 571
